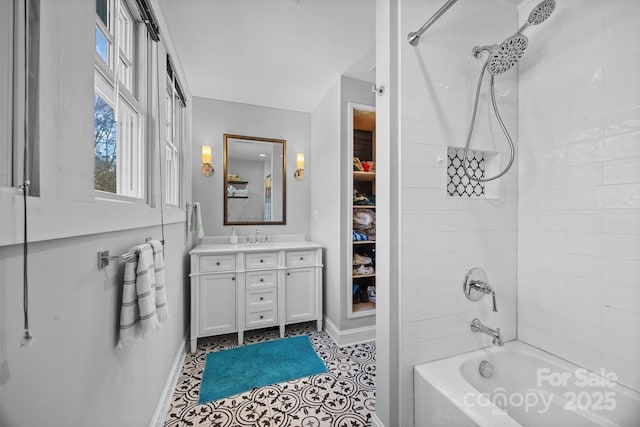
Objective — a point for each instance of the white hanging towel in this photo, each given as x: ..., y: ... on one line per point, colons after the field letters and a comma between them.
x: 138, y: 316
x: 161, y: 293
x: 196, y: 221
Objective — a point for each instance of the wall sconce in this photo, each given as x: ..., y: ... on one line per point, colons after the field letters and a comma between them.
x: 299, y: 173
x: 207, y: 168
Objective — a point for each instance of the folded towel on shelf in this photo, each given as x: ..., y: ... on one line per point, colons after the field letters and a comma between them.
x: 196, y: 221
x: 138, y: 317
x: 364, y: 218
x: 161, y: 293
x: 357, y: 236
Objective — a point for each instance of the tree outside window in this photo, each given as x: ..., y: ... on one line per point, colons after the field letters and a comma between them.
x: 105, y: 146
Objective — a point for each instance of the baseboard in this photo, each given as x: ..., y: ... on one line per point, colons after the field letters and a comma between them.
x: 170, y: 385
x: 375, y: 421
x: 350, y: 336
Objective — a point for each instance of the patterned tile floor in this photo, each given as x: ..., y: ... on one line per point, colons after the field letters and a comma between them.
x: 343, y: 397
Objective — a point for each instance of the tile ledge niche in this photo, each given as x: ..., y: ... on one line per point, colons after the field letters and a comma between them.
x: 487, y: 163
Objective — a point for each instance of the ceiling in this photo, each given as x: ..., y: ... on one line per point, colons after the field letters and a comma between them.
x: 275, y: 53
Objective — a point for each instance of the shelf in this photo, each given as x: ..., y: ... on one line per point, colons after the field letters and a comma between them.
x: 362, y: 146
x: 364, y: 176
x: 363, y: 307
x: 237, y: 182
x: 237, y: 197
x: 360, y: 276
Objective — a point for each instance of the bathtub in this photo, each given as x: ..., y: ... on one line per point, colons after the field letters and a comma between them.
x: 528, y: 388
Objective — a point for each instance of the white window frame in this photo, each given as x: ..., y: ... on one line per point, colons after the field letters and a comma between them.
x: 120, y: 82
x: 19, y: 48
x: 174, y: 144
x: 7, y: 35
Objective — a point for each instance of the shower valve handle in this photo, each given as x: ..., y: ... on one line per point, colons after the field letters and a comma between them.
x: 476, y: 285
x: 485, y: 289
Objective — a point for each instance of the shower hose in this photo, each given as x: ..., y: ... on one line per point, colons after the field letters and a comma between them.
x: 502, y: 126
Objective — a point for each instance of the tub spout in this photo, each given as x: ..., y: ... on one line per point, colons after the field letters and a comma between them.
x: 477, y: 326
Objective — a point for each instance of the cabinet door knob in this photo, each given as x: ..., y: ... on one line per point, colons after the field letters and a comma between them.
x: 261, y: 316
x: 261, y: 260
x: 288, y: 274
x: 301, y: 258
x: 261, y: 298
x: 233, y: 278
x: 218, y: 263
x: 261, y: 279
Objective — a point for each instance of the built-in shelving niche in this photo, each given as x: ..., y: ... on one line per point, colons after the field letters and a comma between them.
x: 481, y: 164
x: 361, y: 288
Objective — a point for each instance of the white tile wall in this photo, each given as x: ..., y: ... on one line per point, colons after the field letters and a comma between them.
x: 444, y: 237
x: 576, y: 218
x: 567, y: 225
x: 579, y: 186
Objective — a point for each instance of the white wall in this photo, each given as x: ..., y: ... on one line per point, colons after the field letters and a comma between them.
x: 73, y: 374
x: 579, y: 186
x: 211, y: 120
x: 441, y: 238
x: 387, y: 215
x: 329, y: 204
x: 325, y: 185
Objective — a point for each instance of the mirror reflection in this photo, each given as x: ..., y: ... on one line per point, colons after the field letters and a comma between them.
x: 254, y: 180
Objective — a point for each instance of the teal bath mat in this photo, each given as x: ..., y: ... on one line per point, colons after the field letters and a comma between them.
x: 240, y: 369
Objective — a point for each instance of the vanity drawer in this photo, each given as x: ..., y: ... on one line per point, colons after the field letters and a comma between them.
x: 262, y: 260
x: 215, y: 263
x: 261, y: 279
x: 261, y: 318
x: 261, y: 300
x: 300, y: 258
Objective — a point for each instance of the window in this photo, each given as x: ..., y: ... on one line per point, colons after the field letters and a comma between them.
x: 119, y: 107
x: 171, y: 149
x: 174, y: 137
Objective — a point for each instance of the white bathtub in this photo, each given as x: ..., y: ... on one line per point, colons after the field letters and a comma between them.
x: 528, y: 388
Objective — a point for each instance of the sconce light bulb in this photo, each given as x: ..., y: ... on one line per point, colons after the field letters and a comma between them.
x: 207, y: 168
x: 206, y: 154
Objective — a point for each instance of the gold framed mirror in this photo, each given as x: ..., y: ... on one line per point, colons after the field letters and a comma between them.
x: 254, y: 180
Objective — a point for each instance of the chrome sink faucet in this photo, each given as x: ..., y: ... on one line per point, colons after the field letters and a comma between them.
x: 477, y: 326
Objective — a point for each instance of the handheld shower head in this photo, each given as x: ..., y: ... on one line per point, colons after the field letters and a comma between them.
x: 507, y: 54
x: 541, y: 12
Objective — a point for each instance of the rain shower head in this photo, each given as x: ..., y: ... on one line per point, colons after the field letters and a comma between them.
x: 507, y: 54
x: 504, y: 56
x: 541, y: 12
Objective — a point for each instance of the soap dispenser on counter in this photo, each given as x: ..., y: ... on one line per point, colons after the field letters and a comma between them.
x: 233, y: 239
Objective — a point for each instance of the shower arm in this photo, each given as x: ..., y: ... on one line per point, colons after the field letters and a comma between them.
x: 477, y: 50
x: 414, y: 37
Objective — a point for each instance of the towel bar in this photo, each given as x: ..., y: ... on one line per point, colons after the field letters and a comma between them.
x: 104, y: 258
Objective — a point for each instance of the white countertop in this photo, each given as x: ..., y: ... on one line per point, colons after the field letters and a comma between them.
x: 206, y: 249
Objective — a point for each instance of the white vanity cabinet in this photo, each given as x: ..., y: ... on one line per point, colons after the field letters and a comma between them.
x: 235, y: 288
x: 302, y: 298
x: 216, y: 299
